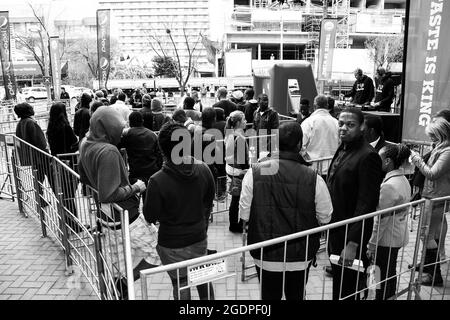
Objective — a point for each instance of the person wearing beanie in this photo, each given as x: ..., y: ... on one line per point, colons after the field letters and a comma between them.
x: 146, y: 111
x: 237, y: 97
x: 158, y: 117
x: 98, y: 95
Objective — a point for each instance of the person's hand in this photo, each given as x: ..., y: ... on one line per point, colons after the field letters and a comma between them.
x: 341, y: 96
x: 348, y: 254
x: 414, y: 157
x: 141, y: 185
x: 370, y: 251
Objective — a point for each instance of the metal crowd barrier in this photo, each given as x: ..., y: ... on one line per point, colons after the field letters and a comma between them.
x: 221, y: 270
x: 71, y: 215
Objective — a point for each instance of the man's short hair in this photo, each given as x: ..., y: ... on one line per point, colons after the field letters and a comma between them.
x: 358, y: 71
x: 179, y: 115
x: 222, y: 92
x: 356, y: 111
x: 321, y: 101
x: 374, y: 122
x: 136, y: 119
x: 304, y: 101
x: 208, y: 117
x: 381, y: 71
x: 96, y: 105
x: 188, y: 103
x: 249, y: 93
x: 165, y: 137
x: 330, y: 103
x: 290, y: 135
x: 122, y: 97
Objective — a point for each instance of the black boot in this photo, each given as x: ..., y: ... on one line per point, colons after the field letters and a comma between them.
x: 434, y: 270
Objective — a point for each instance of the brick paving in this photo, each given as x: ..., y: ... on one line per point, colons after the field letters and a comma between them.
x: 33, y: 267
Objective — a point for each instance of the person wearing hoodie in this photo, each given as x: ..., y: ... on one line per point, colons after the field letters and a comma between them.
x: 102, y: 167
x: 180, y: 197
x: 158, y: 117
x: 146, y: 111
x: 82, y: 116
x: 362, y: 91
x: 385, y: 90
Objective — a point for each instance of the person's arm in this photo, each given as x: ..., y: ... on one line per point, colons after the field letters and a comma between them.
x: 76, y: 123
x: 70, y: 136
x: 369, y: 180
x: 210, y: 192
x: 37, y: 137
x: 152, y: 208
x: 274, y: 121
x: 352, y: 92
x: 108, y: 184
x: 437, y: 170
x: 371, y: 92
x: 307, y: 127
x: 324, y: 206
x: 245, y: 201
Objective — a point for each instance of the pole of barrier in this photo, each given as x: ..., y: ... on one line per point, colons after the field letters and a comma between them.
x: 39, y: 208
x: 144, y: 286
x: 62, y: 217
x: 100, y: 267
x: 17, y: 183
x: 127, y: 252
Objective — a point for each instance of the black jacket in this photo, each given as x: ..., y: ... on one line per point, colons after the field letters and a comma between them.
x: 180, y: 198
x: 354, y: 186
x: 284, y: 203
x: 144, y: 157
x: 81, y: 122
x: 362, y: 91
x: 385, y: 92
x: 227, y: 106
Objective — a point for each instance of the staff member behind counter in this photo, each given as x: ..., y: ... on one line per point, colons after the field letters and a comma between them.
x: 363, y: 90
x: 385, y: 91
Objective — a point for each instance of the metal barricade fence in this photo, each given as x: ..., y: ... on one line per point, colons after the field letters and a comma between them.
x: 6, y: 168
x: 395, y: 280
x: 70, y: 214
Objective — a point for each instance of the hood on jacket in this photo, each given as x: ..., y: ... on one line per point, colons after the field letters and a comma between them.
x: 186, y: 171
x: 106, y: 125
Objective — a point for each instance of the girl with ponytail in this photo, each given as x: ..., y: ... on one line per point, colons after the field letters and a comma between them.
x: 390, y: 232
x: 236, y: 159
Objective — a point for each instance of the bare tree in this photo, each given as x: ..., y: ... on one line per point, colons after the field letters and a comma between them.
x: 385, y: 50
x: 164, y: 46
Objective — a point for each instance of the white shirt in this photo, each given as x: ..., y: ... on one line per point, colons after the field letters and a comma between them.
x: 122, y: 108
x: 324, y: 209
x: 320, y: 136
x: 373, y: 144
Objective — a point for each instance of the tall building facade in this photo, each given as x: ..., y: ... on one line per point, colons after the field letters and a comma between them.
x: 141, y: 25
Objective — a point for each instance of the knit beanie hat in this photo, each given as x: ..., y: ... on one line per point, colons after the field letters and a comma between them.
x: 156, y: 105
x: 146, y: 100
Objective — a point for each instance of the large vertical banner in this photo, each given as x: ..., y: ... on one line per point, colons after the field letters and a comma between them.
x: 103, y: 45
x: 427, y: 72
x: 56, y: 65
x: 9, y: 79
x: 326, y: 48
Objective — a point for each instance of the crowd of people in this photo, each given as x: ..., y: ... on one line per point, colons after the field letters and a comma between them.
x: 278, y: 194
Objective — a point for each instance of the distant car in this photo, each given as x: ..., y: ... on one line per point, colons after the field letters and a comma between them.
x: 32, y: 94
x: 78, y: 91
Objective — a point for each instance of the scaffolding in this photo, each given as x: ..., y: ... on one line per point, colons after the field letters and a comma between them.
x: 312, y: 27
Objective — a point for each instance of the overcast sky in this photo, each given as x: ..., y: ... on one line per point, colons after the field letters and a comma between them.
x: 66, y: 9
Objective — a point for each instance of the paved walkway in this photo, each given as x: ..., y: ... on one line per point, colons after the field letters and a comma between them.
x: 33, y: 267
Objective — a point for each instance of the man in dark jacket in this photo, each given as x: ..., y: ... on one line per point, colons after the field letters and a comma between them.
x: 362, y: 91
x: 265, y: 119
x: 141, y: 144
x: 354, y: 180
x: 180, y: 196
x: 227, y: 106
x: 289, y: 199
x: 385, y: 90
x: 146, y: 111
x: 373, y: 131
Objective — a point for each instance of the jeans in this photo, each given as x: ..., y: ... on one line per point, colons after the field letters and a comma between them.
x: 172, y: 255
x: 272, y: 284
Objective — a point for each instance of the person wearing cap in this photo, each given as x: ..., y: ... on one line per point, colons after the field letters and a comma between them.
x: 98, y: 95
x: 385, y: 91
x: 224, y: 103
x: 158, y: 117
x: 237, y: 97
